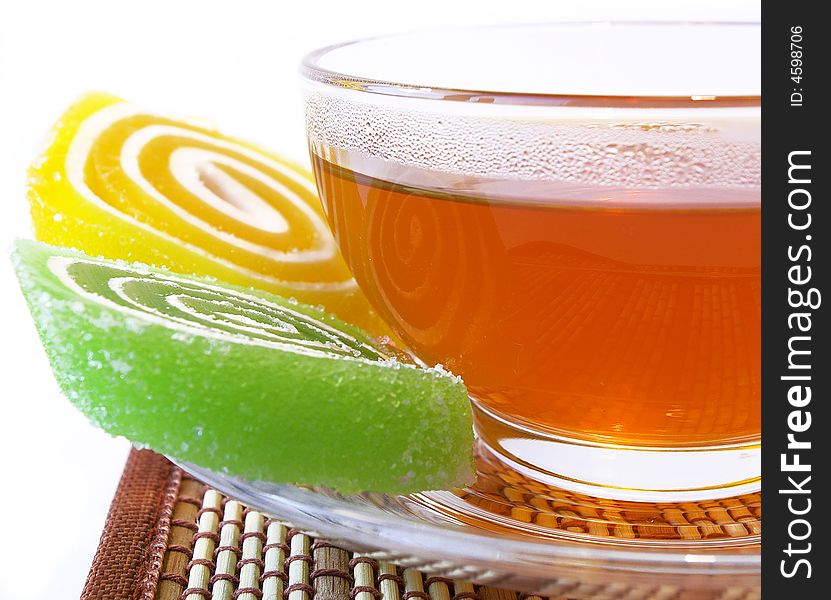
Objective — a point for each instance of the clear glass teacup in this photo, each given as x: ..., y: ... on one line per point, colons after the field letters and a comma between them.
x: 567, y: 216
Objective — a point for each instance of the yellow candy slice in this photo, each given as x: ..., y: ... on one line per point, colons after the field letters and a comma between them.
x: 120, y: 182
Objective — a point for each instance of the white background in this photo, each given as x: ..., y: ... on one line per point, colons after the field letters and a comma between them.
x: 233, y: 62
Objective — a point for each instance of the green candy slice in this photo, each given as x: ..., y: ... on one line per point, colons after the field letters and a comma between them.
x: 242, y: 381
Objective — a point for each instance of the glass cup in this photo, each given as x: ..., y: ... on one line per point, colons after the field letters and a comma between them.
x: 567, y: 216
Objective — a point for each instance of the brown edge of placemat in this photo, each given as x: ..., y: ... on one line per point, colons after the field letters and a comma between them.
x: 129, y: 555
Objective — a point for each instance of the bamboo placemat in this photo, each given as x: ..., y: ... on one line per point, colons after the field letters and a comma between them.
x: 170, y: 537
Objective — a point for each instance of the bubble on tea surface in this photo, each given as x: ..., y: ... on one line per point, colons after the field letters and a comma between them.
x: 716, y: 157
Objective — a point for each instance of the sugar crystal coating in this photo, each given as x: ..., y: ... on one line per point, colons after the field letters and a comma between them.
x: 241, y: 380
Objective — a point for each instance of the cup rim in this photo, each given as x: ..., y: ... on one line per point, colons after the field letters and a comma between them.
x: 311, y: 70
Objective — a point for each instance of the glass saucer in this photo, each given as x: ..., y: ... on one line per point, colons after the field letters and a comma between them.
x: 508, y: 531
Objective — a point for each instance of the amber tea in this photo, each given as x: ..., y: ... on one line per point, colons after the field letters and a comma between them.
x: 628, y: 321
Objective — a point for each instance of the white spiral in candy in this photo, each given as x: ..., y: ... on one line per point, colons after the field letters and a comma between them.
x: 206, y: 310
x: 201, y: 156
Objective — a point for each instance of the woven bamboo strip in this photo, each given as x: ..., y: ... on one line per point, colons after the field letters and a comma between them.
x: 330, y: 577
x: 203, y: 548
x: 252, y: 548
x: 299, y: 567
x: 488, y: 593
x: 413, y: 585
x: 388, y: 581
x: 463, y: 590
x: 438, y: 588
x: 363, y: 572
x: 274, y: 572
x: 224, y: 580
x: 180, y: 542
